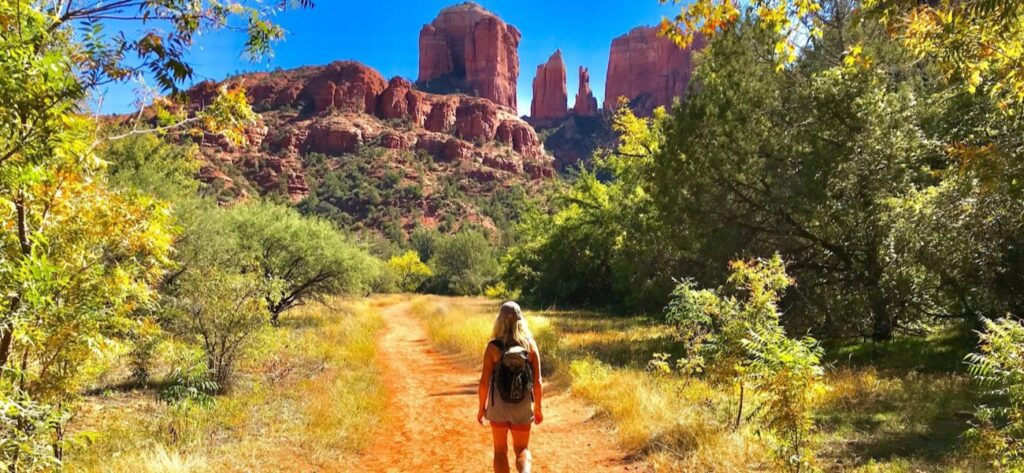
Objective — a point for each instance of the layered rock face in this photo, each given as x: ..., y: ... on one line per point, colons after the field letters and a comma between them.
x: 550, y: 97
x: 586, y: 103
x: 343, y: 106
x: 648, y: 69
x: 469, y: 48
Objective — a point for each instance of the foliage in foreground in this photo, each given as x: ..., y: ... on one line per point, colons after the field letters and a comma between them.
x: 977, y: 43
x: 998, y: 367
x: 79, y: 260
x: 734, y: 335
x: 309, y: 397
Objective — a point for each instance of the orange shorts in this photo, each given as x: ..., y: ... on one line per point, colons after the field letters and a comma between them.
x: 511, y: 426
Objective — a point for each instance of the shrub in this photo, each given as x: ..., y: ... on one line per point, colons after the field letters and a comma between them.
x: 411, y: 272
x: 788, y: 374
x: 464, y: 264
x: 734, y: 333
x: 26, y: 431
x: 998, y: 366
x: 144, y: 340
x: 220, y: 311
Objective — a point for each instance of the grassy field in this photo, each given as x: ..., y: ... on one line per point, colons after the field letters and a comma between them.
x: 889, y: 407
x: 306, y: 400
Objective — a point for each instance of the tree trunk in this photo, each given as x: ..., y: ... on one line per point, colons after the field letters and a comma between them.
x: 882, y: 321
x: 6, y: 338
x: 739, y: 410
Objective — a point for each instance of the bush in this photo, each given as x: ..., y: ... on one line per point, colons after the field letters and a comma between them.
x: 464, y: 264
x: 734, y: 333
x: 26, y: 432
x: 219, y: 311
x: 998, y: 366
x: 300, y: 258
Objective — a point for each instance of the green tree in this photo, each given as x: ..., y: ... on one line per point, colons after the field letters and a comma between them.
x: 76, y: 257
x: 300, y: 258
x: 977, y: 43
x: 411, y: 272
x: 149, y: 164
x: 425, y: 241
x: 464, y: 263
x: 806, y: 163
x: 602, y: 244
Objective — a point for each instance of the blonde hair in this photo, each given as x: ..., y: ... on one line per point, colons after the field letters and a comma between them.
x: 510, y: 326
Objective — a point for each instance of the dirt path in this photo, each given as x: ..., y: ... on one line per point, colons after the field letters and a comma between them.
x: 433, y: 407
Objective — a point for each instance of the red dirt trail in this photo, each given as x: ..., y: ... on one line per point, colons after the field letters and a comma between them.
x: 432, y: 410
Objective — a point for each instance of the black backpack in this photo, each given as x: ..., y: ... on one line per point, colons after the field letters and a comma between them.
x: 513, y: 378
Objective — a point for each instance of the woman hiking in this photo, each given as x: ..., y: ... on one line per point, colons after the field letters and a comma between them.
x: 510, y: 387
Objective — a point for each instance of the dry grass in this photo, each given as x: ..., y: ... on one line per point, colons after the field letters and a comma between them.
x: 680, y: 425
x: 463, y: 326
x: 306, y: 400
x: 871, y: 420
x: 881, y: 420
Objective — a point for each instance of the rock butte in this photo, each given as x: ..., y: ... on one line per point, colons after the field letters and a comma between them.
x: 550, y: 98
x: 648, y: 69
x: 469, y: 48
x: 586, y: 104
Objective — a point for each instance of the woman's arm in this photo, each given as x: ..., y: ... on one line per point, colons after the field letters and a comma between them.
x: 485, y: 383
x: 538, y: 390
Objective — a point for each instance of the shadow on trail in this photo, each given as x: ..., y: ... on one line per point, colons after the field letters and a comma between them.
x: 464, y: 392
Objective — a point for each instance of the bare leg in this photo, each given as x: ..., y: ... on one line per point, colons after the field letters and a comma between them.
x: 500, y: 448
x: 521, y: 444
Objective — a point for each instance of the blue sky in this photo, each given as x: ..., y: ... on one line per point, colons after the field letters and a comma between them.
x: 384, y: 35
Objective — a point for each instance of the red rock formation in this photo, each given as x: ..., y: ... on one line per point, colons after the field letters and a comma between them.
x: 341, y: 107
x: 586, y: 104
x: 398, y: 100
x: 442, y: 116
x: 647, y: 69
x: 549, y: 93
x: 476, y: 121
x: 473, y: 49
x: 345, y: 85
x: 331, y: 138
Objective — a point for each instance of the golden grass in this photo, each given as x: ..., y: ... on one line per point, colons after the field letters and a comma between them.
x: 869, y: 421
x: 463, y: 326
x: 678, y: 422
x: 306, y: 400
x: 680, y: 426
x: 901, y: 422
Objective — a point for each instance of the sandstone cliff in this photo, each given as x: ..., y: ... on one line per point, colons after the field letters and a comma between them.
x: 648, y: 69
x: 550, y: 98
x: 467, y: 48
x: 586, y: 103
